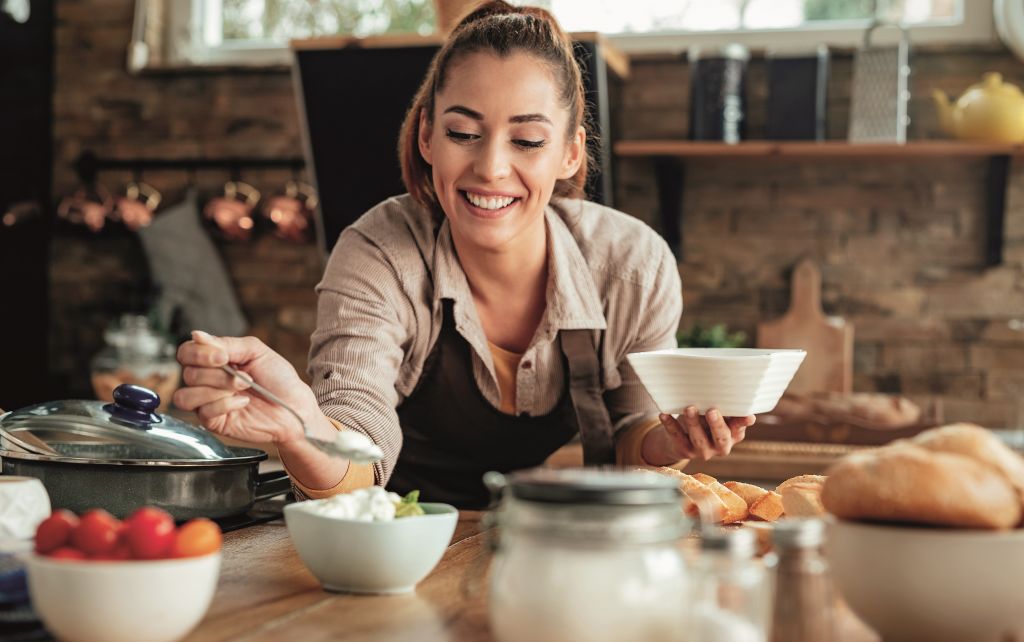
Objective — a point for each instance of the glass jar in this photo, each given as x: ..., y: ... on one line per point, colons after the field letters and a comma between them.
x: 588, y: 554
x: 135, y: 353
x: 732, y: 599
x: 804, y: 598
x: 718, y: 93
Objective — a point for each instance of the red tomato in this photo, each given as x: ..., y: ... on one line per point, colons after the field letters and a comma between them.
x: 150, y: 533
x: 55, y: 530
x: 120, y: 552
x: 96, y: 533
x: 197, y: 537
x: 67, y: 553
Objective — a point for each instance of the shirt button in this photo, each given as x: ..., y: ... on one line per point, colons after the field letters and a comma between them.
x: 527, y: 364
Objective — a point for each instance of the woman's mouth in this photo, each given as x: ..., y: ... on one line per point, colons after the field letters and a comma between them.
x: 489, y: 206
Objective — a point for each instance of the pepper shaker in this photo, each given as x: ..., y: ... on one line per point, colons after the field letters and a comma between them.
x: 804, y: 598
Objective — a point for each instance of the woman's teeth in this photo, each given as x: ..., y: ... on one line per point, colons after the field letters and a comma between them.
x: 489, y: 202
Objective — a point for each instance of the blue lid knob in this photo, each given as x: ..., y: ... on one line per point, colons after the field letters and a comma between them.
x: 134, y: 404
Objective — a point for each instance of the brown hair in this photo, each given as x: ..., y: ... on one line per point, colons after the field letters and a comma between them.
x: 499, y: 28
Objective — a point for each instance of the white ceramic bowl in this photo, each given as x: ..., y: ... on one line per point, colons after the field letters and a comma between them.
x: 371, y: 557
x: 736, y: 381
x: 932, y: 584
x: 122, y: 601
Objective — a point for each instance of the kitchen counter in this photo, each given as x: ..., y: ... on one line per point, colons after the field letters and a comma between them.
x: 265, y: 593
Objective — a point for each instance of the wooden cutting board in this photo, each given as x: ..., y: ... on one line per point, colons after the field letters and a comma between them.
x: 828, y: 341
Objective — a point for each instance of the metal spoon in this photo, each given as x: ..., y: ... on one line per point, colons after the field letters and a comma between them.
x: 365, y: 455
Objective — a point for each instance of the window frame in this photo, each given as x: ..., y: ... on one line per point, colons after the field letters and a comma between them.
x: 185, y: 24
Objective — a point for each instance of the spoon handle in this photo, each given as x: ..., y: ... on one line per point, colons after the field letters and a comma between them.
x: 263, y: 392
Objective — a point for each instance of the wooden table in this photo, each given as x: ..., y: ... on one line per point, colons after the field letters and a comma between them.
x: 265, y: 593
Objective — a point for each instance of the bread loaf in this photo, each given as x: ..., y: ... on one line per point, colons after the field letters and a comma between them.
x: 700, y: 502
x: 802, y: 500
x: 978, y: 444
x: 906, y: 482
x: 761, y: 503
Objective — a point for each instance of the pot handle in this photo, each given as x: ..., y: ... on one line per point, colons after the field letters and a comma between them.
x: 272, y: 484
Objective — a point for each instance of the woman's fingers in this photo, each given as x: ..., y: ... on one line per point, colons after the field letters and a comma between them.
x: 212, y: 378
x: 222, y: 406
x: 720, y: 432
x: 695, y: 431
x: 681, y: 443
x: 193, y: 397
x: 738, y: 427
x: 194, y: 353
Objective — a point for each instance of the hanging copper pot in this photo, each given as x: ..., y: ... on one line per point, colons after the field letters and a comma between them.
x: 292, y: 212
x: 87, y: 206
x: 137, y: 206
x: 231, y: 212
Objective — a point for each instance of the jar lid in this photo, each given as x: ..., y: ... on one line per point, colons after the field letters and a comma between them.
x: 732, y: 51
x: 735, y: 542
x: 593, y: 486
x: 134, y: 333
x: 98, y: 432
x: 798, y: 533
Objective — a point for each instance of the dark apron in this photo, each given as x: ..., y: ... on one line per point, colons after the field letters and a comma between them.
x: 452, y: 435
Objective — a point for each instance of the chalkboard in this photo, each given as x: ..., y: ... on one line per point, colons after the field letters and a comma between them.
x: 353, y: 101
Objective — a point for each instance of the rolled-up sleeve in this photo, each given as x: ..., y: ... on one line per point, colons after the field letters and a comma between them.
x: 655, y: 318
x: 357, y: 349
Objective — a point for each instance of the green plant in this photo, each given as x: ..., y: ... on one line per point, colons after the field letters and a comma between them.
x: 717, y: 336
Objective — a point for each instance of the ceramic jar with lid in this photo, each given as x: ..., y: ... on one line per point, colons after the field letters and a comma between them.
x: 135, y: 353
x: 587, y: 554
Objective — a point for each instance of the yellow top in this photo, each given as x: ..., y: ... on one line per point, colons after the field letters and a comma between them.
x: 505, y: 366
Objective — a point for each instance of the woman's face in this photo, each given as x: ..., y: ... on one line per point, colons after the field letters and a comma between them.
x: 496, y: 146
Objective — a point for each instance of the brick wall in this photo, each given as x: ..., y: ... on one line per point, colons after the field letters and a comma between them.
x: 900, y: 244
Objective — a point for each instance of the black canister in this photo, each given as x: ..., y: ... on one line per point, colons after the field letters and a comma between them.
x: 718, y: 93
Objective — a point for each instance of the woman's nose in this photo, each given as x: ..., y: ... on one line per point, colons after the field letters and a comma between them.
x: 492, y: 162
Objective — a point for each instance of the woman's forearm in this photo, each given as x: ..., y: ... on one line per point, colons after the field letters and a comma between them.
x: 307, y: 464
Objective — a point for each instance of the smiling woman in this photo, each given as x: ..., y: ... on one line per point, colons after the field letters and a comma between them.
x: 481, y: 321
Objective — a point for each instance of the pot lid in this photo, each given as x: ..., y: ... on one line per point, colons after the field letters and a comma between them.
x: 592, y: 486
x: 128, y: 428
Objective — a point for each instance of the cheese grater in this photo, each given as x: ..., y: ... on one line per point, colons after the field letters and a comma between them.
x: 880, y: 91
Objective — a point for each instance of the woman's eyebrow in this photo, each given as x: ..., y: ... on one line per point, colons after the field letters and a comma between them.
x: 522, y: 118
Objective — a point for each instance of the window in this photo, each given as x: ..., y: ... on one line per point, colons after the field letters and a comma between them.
x: 257, y: 31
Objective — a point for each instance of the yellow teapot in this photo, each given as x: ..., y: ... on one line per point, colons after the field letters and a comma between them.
x: 991, y: 110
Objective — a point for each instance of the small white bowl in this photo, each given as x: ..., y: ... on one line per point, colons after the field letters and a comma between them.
x: 122, y: 601
x: 911, y: 583
x: 371, y: 557
x: 736, y: 381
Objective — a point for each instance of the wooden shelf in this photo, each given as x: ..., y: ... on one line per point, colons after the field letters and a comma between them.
x: 809, y: 149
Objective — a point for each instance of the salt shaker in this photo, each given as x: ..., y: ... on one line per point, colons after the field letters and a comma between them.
x: 804, y: 599
x: 732, y: 597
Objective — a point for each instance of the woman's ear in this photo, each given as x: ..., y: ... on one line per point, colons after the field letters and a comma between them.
x: 423, y: 138
x: 574, y: 153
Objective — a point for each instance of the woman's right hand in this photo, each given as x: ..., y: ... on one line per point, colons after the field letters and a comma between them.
x: 225, y: 404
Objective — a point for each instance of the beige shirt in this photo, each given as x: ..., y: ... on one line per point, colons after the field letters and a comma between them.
x: 380, y: 306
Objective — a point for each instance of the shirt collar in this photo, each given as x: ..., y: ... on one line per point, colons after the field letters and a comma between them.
x: 572, y: 298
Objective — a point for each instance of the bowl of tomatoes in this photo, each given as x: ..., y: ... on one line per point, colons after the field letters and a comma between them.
x: 95, y: 577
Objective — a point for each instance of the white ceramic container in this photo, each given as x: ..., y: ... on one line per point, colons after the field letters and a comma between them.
x: 371, y: 557
x: 941, y: 585
x: 122, y: 601
x: 736, y: 381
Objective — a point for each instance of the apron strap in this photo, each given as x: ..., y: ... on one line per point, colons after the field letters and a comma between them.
x: 585, y: 390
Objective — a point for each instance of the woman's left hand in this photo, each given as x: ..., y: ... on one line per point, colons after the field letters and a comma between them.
x: 703, y: 437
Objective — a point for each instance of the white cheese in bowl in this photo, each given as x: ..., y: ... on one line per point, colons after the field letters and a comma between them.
x: 373, y: 504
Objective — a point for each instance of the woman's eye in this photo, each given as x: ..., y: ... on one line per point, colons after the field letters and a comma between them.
x: 460, y: 136
x: 530, y: 144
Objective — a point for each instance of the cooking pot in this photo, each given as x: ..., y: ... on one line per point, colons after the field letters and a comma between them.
x: 123, y: 455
